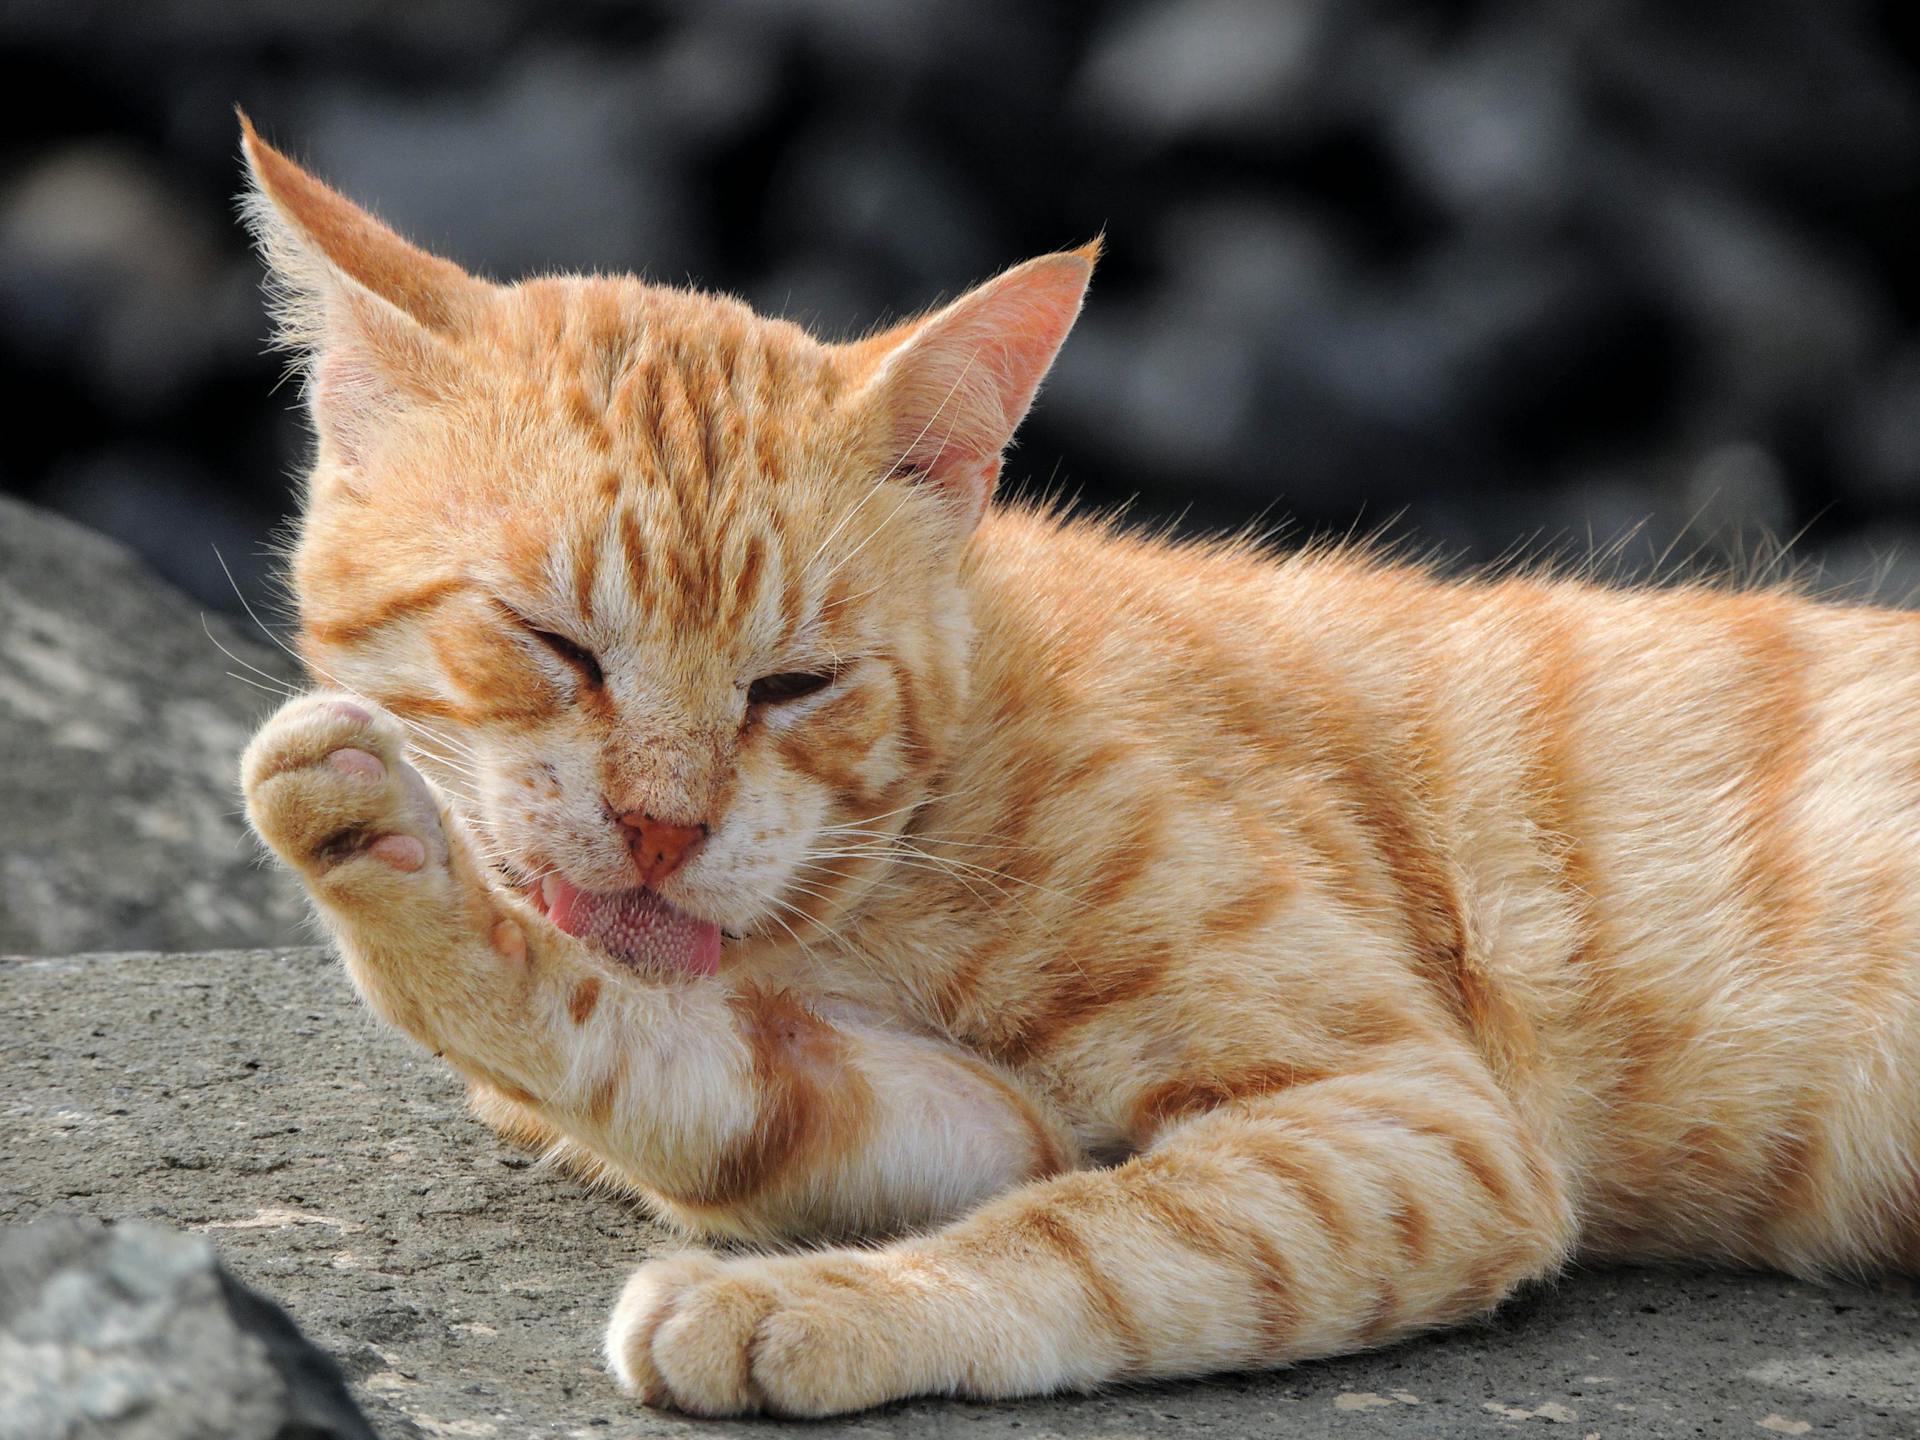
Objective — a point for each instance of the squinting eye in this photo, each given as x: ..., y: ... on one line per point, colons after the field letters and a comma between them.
x: 581, y: 658
x: 777, y: 689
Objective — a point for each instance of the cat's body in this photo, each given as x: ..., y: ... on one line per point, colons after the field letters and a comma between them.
x: 1211, y: 960
x: 1656, y: 855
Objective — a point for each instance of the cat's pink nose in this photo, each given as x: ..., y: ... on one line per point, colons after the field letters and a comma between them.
x: 659, y: 848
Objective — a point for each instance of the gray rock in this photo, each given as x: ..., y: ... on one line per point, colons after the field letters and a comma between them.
x: 1180, y: 68
x: 591, y: 183
x: 135, y: 1332
x: 1779, y: 317
x: 1882, y: 431
x: 1491, y: 131
x: 120, y: 735
x: 846, y: 195
x: 106, y: 273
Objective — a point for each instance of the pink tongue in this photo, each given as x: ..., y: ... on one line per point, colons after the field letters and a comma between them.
x: 636, y: 926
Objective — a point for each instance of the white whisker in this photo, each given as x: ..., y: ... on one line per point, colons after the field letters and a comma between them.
x: 266, y: 630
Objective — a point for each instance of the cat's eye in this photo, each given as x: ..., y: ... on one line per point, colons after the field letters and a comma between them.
x: 789, y: 685
x: 571, y: 651
x: 578, y: 656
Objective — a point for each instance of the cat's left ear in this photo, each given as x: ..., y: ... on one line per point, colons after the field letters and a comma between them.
x: 371, y: 313
x: 948, y: 391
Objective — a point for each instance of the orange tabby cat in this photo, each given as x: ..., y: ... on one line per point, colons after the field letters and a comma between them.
x: 1201, y: 960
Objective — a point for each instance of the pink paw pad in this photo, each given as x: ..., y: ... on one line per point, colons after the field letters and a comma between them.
x: 510, y: 941
x: 402, y: 852
x: 357, y: 762
x: 347, y: 710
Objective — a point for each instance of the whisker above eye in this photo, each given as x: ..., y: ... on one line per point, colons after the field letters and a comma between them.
x: 889, y: 472
x: 267, y: 681
x: 448, y: 741
x: 285, y: 692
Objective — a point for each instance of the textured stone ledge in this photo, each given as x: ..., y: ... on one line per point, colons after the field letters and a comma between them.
x: 245, y: 1096
x: 121, y: 723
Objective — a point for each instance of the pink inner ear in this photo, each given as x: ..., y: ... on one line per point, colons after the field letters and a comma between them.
x: 958, y: 387
x: 371, y: 363
x: 349, y: 396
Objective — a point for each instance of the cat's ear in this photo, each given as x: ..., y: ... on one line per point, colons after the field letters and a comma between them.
x: 371, y: 314
x: 949, y: 390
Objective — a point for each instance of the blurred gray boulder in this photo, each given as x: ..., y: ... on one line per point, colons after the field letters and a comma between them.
x: 136, y: 1332
x: 1181, y: 68
x: 111, y: 278
x: 120, y: 735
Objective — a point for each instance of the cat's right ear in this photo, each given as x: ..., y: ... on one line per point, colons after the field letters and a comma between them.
x: 371, y: 314
x: 948, y: 390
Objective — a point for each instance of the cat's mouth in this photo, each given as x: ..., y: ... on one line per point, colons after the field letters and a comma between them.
x: 636, y: 927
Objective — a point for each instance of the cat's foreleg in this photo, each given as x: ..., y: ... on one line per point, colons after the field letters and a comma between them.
x: 1332, y: 1216
x: 743, y: 1112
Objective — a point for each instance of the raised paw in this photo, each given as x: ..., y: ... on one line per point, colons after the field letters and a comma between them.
x: 801, y: 1336
x: 429, y: 943
x: 328, y: 787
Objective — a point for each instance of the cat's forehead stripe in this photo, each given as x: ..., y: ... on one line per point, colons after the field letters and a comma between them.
x: 356, y: 627
x: 586, y: 569
x: 746, y: 578
x: 688, y: 387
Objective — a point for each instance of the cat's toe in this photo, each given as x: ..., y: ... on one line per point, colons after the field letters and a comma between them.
x: 704, y: 1348
x: 737, y: 1337
x: 357, y: 762
x: 839, y: 1341
x: 652, y: 1297
x: 327, y: 784
x: 810, y: 1361
x: 400, y: 852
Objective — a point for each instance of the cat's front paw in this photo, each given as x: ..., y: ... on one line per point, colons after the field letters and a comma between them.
x: 802, y: 1336
x: 328, y: 787
x: 430, y: 944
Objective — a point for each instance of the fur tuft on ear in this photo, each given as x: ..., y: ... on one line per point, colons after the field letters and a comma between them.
x: 367, y: 310
x: 314, y: 240
x: 949, y: 390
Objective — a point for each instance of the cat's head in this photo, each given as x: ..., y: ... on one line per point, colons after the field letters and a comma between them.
x: 669, y: 593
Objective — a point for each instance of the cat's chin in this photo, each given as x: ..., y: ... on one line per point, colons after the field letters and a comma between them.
x: 636, y: 927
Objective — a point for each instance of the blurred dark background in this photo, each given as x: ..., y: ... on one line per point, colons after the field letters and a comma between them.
x: 1536, y: 271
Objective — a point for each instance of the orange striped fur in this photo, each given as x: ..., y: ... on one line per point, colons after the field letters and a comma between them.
x: 1171, y: 958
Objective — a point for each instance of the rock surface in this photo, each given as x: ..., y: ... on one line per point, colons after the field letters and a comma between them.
x: 247, y: 1097
x: 135, y: 1332
x: 120, y: 736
